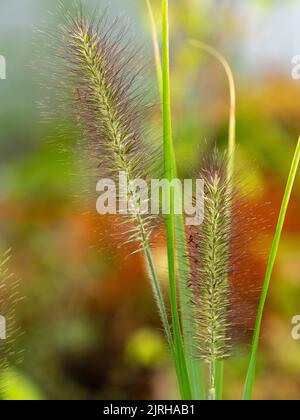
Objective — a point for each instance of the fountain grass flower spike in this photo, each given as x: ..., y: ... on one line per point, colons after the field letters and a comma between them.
x: 209, y: 251
x: 110, y: 112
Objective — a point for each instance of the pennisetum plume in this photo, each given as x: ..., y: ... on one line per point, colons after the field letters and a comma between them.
x: 220, y: 259
x: 108, y: 111
x: 103, y: 76
x: 209, y: 249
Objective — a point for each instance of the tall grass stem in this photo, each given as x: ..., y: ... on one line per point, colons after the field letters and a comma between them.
x: 170, y: 174
x: 248, y: 390
x: 194, y: 367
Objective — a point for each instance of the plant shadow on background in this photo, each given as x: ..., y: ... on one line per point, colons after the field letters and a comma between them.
x: 79, y: 287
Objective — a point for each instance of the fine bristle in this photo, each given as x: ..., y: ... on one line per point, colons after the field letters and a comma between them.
x: 210, y: 254
x: 225, y: 274
x: 111, y: 109
x: 98, y: 81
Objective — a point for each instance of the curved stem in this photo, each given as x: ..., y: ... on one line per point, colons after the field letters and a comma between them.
x: 232, y: 109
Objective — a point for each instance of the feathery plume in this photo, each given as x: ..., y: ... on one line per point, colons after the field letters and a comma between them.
x: 220, y: 261
x: 110, y: 110
x: 103, y: 75
x: 209, y: 247
x: 210, y: 265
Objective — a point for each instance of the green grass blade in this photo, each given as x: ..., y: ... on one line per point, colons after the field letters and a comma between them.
x: 170, y: 174
x: 194, y: 367
x: 252, y: 364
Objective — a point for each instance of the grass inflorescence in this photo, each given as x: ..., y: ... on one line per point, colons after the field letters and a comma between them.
x: 110, y: 110
x: 210, y: 259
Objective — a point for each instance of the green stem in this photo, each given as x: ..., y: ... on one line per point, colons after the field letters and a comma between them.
x: 155, y: 285
x: 212, y: 392
x: 160, y: 303
x: 194, y: 366
x: 232, y: 105
x: 219, y: 375
x: 170, y: 174
x: 255, y: 344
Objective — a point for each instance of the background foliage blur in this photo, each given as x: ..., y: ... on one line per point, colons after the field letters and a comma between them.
x: 89, y: 325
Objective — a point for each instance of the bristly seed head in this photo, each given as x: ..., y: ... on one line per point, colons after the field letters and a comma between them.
x: 210, y: 253
x: 224, y: 279
x: 104, y: 75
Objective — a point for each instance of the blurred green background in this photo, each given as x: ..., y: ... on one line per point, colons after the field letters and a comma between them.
x: 89, y: 325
